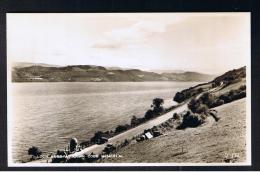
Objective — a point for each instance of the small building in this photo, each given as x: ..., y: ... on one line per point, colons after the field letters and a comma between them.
x: 148, y: 135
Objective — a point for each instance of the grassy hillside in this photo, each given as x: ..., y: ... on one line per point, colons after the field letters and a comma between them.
x: 212, y: 142
x: 229, y: 78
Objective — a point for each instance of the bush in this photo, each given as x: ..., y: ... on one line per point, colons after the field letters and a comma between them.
x: 179, y: 97
x: 242, y: 94
x: 157, y: 102
x: 231, y: 93
x: 202, y: 109
x: 242, y: 87
x: 149, y: 114
x: 218, y: 102
x: 200, y: 90
x: 225, y: 98
x: 158, y: 110
x: 97, y: 136
x: 193, y: 105
x: 207, y: 99
x: 157, y: 105
x: 125, y: 143
x: 109, y: 149
x: 136, y: 121
x: 176, y: 116
x: 196, y: 106
x: 191, y: 120
x: 234, y: 95
x: 34, y: 151
x: 121, y: 128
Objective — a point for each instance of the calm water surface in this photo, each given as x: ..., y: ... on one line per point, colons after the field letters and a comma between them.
x: 47, y: 115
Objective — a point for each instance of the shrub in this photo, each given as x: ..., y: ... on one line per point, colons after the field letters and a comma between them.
x: 97, y: 136
x: 158, y: 110
x: 242, y: 94
x: 121, y: 128
x: 193, y: 105
x: 191, y: 120
x: 125, y: 143
x: 231, y: 93
x: 176, y: 116
x: 149, y: 114
x: 218, y: 102
x: 242, y: 87
x: 34, y: 151
x: 196, y: 106
x: 200, y: 90
x: 202, y: 109
x: 136, y: 121
x: 157, y: 102
x: 109, y: 149
x: 179, y: 97
x: 157, y: 105
x: 207, y: 99
x: 225, y: 98
x: 234, y: 95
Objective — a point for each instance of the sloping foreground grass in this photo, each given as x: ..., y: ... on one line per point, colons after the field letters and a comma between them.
x: 210, y: 143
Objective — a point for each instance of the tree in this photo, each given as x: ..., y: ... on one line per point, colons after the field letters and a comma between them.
x: 121, y: 128
x: 193, y: 105
x: 134, y: 121
x: 149, y: 114
x: 207, y: 99
x: 157, y: 102
x: 34, y: 151
x: 97, y: 136
x: 179, y: 97
x: 191, y: 120
x: 157, y: 105
x: 197, y: 106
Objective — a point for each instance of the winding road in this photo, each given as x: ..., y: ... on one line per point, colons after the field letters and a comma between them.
x: 97, y: 149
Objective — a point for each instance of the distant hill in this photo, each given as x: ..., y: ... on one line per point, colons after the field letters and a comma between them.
x: 26, y: 64
x: 167, y: 71
x: 188, y: 76
x: 90, y: 73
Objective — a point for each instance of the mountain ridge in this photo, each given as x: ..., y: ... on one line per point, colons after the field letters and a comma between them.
x: 92, y: 73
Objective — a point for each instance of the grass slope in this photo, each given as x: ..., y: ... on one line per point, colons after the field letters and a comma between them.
x: 210, y: 143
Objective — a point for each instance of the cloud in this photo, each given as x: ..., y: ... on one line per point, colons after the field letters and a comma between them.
x: 129, y: 36
x: 107, y: 45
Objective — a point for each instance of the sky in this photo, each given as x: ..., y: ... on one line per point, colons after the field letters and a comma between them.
x: 204, y: 42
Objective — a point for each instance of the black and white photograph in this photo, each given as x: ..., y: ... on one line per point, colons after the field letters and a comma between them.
x: 129, y: 89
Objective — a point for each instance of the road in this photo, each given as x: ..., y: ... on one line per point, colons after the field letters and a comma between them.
x: 97, y: 149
